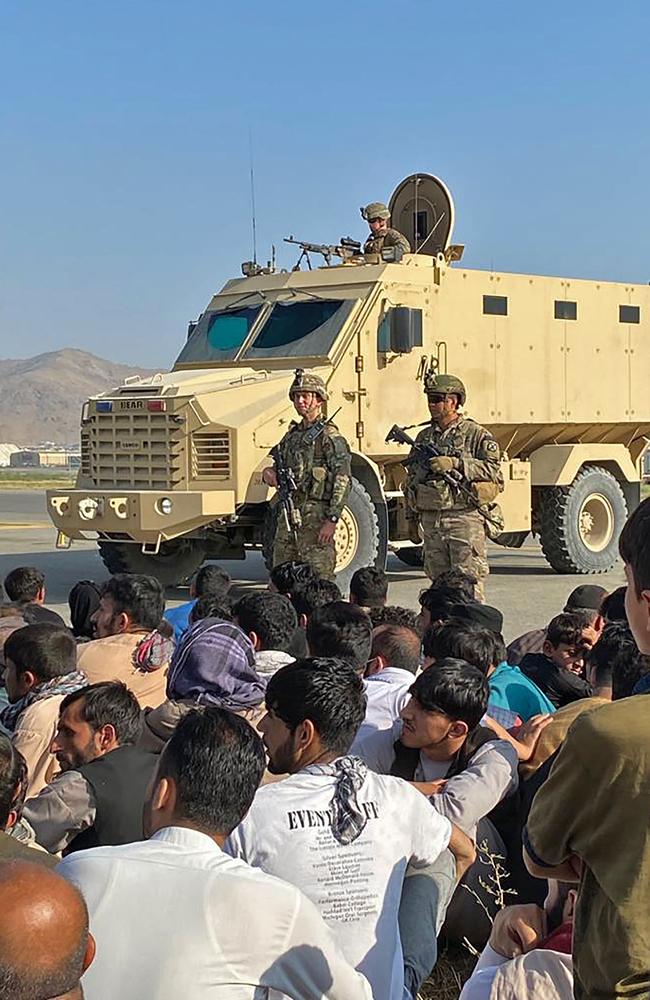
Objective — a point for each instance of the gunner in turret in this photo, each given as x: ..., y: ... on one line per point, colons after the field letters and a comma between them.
x: 381, y: 235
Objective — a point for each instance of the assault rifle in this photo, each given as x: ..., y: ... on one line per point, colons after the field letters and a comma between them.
x: 423, y: 451
x: 286, y: 488
x: 345, y: 248
x: 287, y: 485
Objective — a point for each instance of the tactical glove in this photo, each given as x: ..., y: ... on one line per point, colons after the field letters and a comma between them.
x: 443, y: 463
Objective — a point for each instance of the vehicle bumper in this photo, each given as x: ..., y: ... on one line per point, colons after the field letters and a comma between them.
x: 136, y: 515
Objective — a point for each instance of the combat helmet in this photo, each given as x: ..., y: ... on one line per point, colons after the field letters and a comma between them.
x: 375, y: 210
x: 444, y: 383
x: 307, y: 382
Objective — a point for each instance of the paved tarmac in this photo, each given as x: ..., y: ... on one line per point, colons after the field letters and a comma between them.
x: 521, y: 583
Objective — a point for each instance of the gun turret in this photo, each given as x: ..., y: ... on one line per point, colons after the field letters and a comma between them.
x: 345, y: 248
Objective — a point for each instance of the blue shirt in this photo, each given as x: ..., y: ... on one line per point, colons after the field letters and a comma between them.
x: 179, y: 619
x: 512, y: 690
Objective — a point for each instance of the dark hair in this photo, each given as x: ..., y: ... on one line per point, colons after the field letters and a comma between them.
x: 454, y: 687
x: 140, y: 597
x: 271, y: 616
x: 613, y: 607
x: 341, y: 630
x: 315, y: 593
x: 325, y: 690
x: 83, y: 601
x: 457, y: 579
x: 461, y: 641
x: 13, y: 779
x: 108, y: 703
x: 216, y: 760
x: 286, y: 576
x: 400, y: 646
x: 23, y: 584
x: 46, y: 650
x: 211, y: 581
x: 616, y: 661
x: 568, y: 628
x: 392, y: 614
x: 210, y: 607
x: 369, y: 586
x: 439, y: 601
x: 634, y: 546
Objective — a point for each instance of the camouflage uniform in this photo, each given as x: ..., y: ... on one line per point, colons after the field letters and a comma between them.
x: 454, y: 533
x: 322, y: 474
x: 389, y: 237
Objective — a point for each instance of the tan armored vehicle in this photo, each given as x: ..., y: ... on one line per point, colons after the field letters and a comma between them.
x: 557, y: 369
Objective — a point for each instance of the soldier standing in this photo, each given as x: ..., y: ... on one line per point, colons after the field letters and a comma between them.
x: 381, y: 235
x: 321, y: 469
x: 454, y: 531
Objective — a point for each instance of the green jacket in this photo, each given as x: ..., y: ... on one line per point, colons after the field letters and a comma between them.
x: 390, y: 238
x: 322, y: 470
x: 480, y: 462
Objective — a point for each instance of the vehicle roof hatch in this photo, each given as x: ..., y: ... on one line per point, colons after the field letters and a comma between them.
x: 422, y: 208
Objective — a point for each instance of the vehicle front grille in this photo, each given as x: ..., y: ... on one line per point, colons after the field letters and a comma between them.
x: 138, y: 450
x: 211, y: 455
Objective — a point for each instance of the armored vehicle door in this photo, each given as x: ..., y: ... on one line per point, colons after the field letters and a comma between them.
x: 422, y: 208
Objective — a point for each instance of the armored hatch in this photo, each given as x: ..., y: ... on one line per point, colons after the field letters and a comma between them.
x: 422, y: 208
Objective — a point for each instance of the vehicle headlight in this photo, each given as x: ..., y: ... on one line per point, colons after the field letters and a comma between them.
x: 164, y: 505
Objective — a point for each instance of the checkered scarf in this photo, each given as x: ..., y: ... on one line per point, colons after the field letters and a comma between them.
x: 348, y: 819
x: 65, y: 684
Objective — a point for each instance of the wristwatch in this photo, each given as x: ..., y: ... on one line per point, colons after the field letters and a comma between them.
x: 332, y: 517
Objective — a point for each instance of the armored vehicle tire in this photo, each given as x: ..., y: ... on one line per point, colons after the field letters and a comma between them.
x: 359, y: 538
x: 411, y: 555
x: 175, y: 562
x: 579, y: 524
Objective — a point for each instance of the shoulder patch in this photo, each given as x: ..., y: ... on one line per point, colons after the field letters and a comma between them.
x: 491, y: 448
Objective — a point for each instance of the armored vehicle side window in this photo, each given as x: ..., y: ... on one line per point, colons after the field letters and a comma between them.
x: 629, y: 314
x: 495, y: 305
x: 566, y: 310
x: 219, y: 335
x: 300, y: 329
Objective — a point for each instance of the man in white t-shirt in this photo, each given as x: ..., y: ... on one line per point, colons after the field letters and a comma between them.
x: 341, y: 833
x: 176, y: 918
x: 391, y: 669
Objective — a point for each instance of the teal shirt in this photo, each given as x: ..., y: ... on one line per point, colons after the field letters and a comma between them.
x: 512, y: 690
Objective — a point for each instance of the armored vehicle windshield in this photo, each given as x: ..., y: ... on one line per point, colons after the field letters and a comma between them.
x: 300, y: 329
x: 219, y: 336
x: 292, y: 329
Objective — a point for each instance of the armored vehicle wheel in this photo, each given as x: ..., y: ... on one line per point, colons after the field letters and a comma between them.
x: 359, y: 539
x: 579, y: 524
x: 411, y: 555
x: 175, y: 562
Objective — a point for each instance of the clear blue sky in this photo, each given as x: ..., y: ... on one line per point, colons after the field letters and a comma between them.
x: 124, y: 146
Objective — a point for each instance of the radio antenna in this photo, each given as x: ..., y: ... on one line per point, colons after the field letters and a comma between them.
x: 252, y: 173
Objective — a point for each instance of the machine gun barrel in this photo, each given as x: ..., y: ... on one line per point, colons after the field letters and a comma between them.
x: 422, y: 453
x: 344, y: 249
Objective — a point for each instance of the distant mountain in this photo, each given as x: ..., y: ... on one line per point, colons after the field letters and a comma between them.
x: 41, y: 397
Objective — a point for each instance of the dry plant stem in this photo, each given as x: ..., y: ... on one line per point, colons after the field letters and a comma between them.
x: 493, y: 887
